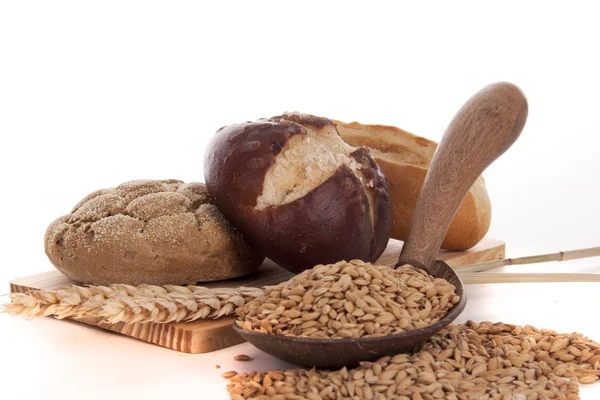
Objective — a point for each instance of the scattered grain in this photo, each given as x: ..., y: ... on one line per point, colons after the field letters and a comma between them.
x: 463, y: 362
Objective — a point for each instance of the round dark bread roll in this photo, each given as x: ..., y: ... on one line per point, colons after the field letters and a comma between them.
x: 152, y: 232
x: 298, y: 192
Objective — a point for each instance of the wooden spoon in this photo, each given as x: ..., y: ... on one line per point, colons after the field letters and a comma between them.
x: 484, y: 128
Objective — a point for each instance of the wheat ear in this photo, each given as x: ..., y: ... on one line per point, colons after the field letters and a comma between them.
x: 170, y: 303
x: 131, y: 304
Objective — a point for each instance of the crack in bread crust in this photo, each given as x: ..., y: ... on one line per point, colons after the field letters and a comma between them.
x: 305, y: 162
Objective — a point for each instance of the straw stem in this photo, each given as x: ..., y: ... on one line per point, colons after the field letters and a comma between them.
x: 476, y: 278
x: 560, y: 256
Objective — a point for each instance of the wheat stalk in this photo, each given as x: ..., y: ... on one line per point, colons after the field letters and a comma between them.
x: 170, y: 303
x: 542, y: 258
x: 131, y: 304
x: 473, y: 278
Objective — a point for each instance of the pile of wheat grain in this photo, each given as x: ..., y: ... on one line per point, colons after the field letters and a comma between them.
x: 350, y: 300
x: 463, y: 362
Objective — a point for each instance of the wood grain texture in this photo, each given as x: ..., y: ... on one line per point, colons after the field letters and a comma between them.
x: 209, y: 335
x: 482, y: 130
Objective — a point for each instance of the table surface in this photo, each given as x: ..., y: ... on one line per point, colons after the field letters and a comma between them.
x: 52, y: 359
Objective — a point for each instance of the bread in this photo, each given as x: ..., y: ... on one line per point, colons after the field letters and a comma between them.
x: 404, y: 159
x: 152, y: 232
x: 297, y: 192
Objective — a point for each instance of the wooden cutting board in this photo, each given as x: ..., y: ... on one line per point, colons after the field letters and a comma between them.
x: 209, y: 335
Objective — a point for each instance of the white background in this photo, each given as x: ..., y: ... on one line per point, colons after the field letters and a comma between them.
x: 93, y: 94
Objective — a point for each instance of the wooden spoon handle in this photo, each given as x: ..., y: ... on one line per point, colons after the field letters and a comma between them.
x: 482, y: 130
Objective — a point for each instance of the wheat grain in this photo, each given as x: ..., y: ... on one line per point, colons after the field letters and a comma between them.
x: 131, y: 304
x: 350, y: 300
x: 463, y: 362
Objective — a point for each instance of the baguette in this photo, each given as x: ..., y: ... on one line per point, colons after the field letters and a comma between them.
x: 404, y: 159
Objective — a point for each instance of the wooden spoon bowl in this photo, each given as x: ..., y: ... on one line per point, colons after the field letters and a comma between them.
x: 337, y: 353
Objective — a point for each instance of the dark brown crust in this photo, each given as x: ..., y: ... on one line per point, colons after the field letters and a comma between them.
x: 329, y: 224
x: 379, y: 200
x: 239, y: 156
